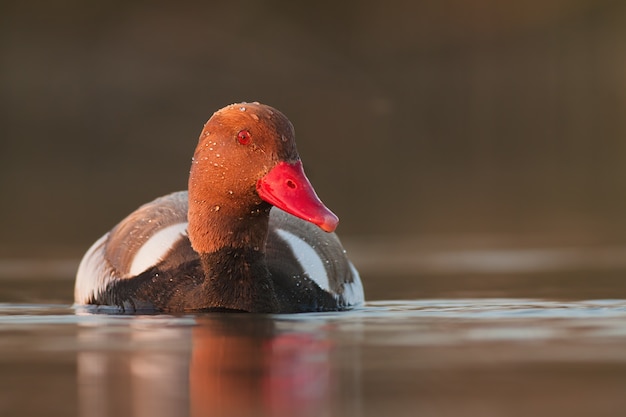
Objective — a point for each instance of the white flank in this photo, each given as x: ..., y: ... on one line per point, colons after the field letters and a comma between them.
x: 94, y: 273
x: 308, y: 258
x: 155, y: 248
x: 353, y: 291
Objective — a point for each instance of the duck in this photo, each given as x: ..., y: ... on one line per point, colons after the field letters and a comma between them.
x: 250, y: 233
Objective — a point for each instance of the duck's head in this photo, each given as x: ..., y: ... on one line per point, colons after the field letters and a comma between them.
x: 247, y: 157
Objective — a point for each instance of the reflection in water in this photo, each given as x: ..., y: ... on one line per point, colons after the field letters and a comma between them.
x: 239, y: 365
x: 227, y: 365
x: 138, y: 371
x: 461, y: 357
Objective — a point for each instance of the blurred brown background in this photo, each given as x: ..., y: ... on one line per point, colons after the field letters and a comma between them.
x: 413, y: 118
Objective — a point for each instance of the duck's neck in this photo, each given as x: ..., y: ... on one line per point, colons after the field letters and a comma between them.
x: 214, y: 226
x: 231, y: 244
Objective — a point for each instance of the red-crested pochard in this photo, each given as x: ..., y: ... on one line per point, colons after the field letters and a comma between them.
x: 249, y: 235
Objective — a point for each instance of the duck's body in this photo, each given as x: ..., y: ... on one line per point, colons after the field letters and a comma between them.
x: 222, y: 246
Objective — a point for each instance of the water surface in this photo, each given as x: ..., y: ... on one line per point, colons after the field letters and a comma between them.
x: 451, y: 329
x: 439, y: 357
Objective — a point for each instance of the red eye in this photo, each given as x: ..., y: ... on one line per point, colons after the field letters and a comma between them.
x: 244, y: 137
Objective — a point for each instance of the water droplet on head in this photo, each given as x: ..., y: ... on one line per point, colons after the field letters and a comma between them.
x: 283, y: 138
x: 242, y: 108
